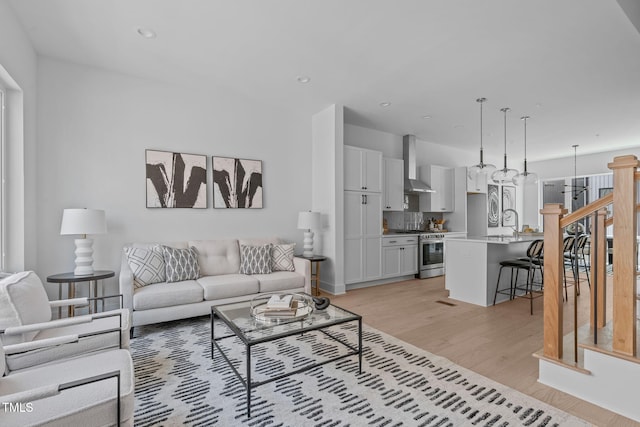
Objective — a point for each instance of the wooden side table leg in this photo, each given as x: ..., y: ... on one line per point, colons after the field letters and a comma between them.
x: 71, y: 293
x: 94, y: 289
x: 59, y: 298
x: 317, y: 279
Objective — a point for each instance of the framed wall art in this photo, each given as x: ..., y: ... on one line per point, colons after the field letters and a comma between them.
x: 508, y: 202
x: 176, y: 180
x: 493, y: 205
x: 237, y: 183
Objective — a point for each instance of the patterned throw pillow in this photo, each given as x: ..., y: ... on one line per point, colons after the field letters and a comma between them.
x: 282, y: 257
x: 255, y: 259
x: 181, y: 264
x: 147, y: 265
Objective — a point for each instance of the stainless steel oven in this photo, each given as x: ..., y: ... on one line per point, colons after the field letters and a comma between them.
x: 431, y: 253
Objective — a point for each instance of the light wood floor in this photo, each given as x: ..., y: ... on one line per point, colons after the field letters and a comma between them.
x: 497, y: 342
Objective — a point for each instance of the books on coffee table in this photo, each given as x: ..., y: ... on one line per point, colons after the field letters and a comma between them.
x: 281, y: 312
x: 280, y: 301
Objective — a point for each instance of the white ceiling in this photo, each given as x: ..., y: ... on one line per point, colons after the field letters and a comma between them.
x: 572, y: 65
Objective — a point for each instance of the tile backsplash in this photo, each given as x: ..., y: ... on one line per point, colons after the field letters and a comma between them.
x: 409, y: 220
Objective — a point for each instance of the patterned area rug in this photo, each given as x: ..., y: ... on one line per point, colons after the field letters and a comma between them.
x: 177, y: 383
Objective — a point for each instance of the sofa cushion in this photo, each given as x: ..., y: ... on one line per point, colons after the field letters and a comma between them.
x: 279, y: 281
x: 255, y: 259
x: 167, y: 295
x: 23, y: 301
x: 282, y: 257
x: 181, y: 264
x: 147, y: 265
x: 228, y: 286
x: 217, y: 256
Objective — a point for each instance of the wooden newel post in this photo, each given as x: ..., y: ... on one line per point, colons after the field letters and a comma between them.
x: 598, y: 253
x: 553, y: 267
x: 625, y: 256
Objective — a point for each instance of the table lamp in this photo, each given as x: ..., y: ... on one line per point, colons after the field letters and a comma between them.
x: 308, y: 221
x: 83, y: 222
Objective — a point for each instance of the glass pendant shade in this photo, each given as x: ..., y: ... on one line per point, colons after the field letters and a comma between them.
x: 504, y: 175
x: 481, y: 168
x: 525, y: 177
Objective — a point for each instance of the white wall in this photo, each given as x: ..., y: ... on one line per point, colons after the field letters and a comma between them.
x: 19, y: 63
x: 327, y: 198
x: 427, y: 153
x: 94, y: 127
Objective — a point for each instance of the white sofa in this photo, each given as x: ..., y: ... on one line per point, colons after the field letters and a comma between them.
x: 219, y: 283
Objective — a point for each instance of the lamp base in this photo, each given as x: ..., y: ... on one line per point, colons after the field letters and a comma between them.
x: 84, y: 257
x: 308, y: 244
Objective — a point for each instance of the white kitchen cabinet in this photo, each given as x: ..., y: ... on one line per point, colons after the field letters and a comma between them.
x: 441, y: 179
x: 393, y: 191
x: 362, y: 169
x: 399, y: 256
x: 477, y: 183
x: 362, y: 231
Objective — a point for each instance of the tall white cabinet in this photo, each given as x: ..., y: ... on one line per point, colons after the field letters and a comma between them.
x: 362, y: 214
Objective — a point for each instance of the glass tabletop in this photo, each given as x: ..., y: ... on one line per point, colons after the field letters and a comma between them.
x: 238, y: 317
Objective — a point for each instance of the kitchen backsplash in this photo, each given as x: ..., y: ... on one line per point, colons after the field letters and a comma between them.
x: 409, y: 220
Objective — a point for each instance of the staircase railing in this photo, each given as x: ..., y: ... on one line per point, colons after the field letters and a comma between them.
x: 624, y: 221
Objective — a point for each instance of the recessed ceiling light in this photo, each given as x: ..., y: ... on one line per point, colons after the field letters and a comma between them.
x: 426, y: 117
x: 303, y: 79
x: 385, y: 104
x: 147, y: 33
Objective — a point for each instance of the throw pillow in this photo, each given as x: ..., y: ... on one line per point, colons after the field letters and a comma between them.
x: 282, y: 257
x: 23, y: 301
x: 255, y: 259
x: 147, y: 265
x: 180, y: 264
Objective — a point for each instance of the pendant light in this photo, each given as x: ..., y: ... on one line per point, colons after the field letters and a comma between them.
x: 504, y: 175
x: 482, y: 167
x: 576, y: 190
x: 525, y: 177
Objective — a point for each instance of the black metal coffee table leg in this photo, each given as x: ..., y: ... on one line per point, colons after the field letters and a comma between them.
x: 360, y: 345
x: 248, y: 381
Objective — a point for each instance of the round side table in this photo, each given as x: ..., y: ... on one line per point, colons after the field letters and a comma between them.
x: 71, y: 279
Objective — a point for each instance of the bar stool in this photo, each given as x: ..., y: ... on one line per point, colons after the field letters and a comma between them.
x: 531, y: 263
x: 582, y: 251
x: 567, y: 249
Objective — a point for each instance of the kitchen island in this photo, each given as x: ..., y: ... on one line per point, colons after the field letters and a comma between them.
x: 472, y: 265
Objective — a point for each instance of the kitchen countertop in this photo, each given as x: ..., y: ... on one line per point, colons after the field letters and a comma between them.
x: 498, y: 239
x: 396, y: 233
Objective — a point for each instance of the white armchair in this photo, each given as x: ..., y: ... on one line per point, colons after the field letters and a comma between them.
x: 25, y: 322
x: 91, y: 390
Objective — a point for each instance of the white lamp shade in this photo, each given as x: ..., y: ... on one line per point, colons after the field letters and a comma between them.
x: 83, y: 221
x: 309, y: 220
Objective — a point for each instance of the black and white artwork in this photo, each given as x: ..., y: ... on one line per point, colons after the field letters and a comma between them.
x: 237, y: 183
x: 493, y: 205
x: 176, y: 180
x: 508, y: 202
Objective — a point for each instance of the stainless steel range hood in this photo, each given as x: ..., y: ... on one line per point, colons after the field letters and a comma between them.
x: 411, y: 182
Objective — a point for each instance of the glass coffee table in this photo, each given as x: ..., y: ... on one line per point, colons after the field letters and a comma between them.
x: 250, y: 331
